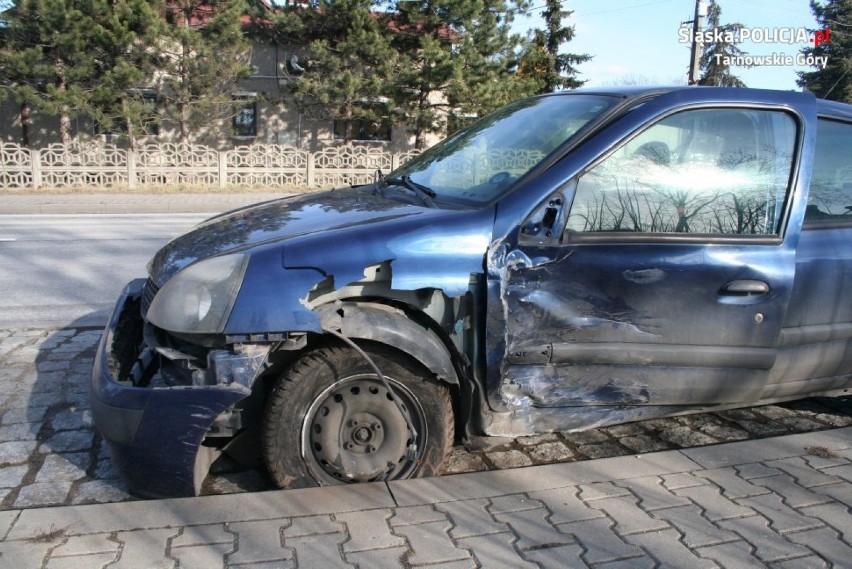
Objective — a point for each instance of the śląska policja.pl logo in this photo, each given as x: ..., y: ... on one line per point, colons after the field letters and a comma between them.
x: 786, y: 36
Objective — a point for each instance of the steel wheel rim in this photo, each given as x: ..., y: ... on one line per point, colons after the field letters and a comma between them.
x: 353, y: 432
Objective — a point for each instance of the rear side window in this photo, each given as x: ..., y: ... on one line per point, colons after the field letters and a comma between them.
x: 830, y: 195
x: 714, y: 172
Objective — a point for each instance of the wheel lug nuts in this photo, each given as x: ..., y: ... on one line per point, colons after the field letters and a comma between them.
x: 348, y: 446
x: 377, y: 426
x: 353, y: 423
x: 371, y: 448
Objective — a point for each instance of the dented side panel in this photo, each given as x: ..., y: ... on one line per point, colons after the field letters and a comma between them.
x: 590, y: 333
x: 638, y: 325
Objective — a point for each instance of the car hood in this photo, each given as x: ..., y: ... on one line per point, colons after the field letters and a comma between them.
x: 275, y: 221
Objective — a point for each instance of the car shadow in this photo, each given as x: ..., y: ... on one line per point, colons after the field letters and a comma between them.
x: 61, y: 457
x: 51, y: 453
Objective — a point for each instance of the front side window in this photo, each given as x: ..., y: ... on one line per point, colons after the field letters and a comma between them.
x: 830, y: 194
x: 710, y: 172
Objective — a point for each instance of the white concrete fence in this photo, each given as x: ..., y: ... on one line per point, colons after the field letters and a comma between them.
x: 264, y: 165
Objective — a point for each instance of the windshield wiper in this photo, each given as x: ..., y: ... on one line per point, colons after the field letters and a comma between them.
x: 425, y: 193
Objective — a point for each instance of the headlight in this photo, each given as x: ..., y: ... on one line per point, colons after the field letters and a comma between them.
x: 199, y: 298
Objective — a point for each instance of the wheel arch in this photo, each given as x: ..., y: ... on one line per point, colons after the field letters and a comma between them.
x: 392, y: 326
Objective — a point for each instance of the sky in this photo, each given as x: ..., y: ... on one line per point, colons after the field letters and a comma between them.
x: 632, y: 39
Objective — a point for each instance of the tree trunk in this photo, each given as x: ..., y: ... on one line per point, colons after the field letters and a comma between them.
x: 64, y: 119
x: 183, y: 119
x: 128, y: 123
x: 419, y: 133
x: 348, y: 126
x: 26, y: 122
x: 65, y: 127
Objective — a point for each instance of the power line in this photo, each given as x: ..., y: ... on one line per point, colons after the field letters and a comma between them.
x: 623, y: 9
x: 574, y: 13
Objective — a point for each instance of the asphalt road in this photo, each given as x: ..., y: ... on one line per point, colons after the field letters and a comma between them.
x: 67, y: 270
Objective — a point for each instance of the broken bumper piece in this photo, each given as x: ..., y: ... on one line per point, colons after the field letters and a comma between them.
x: 156, y: 435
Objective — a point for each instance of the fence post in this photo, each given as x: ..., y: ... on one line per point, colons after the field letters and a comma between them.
x: 223, y: 169
x: 309, y: 175
x: 394, y: 161
x: 35, y: 163
x: 131, y: 168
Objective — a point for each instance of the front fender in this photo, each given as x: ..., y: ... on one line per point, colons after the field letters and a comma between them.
x: 391, y: 326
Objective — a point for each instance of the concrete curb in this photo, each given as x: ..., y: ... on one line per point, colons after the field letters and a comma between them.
x: 751, y: 503
x: 128, y: 203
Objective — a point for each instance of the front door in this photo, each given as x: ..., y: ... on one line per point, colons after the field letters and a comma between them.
x: 665, y: 278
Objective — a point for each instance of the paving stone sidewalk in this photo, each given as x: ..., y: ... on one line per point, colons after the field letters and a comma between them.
x: 51, y: 455
x: 780, y: 502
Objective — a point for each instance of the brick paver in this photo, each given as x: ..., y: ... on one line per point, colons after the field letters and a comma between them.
x: 258, y: 542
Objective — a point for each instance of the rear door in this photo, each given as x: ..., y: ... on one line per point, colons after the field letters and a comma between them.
x: 660, y: 275
x: 816, y: 340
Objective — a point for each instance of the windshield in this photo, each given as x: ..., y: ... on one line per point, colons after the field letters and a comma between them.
x: 477, y: 164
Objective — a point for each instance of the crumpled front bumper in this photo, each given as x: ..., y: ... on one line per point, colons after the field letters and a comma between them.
x: 155, y: 434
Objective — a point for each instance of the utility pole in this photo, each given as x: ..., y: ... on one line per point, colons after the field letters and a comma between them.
x: 697, y: 44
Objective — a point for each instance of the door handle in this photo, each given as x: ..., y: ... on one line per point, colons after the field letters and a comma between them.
x: 745, y: 287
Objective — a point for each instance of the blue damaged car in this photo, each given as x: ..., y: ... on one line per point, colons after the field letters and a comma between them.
x: 570, y: 261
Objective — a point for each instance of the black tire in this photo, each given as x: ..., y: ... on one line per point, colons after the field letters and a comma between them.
x: 329, y: 420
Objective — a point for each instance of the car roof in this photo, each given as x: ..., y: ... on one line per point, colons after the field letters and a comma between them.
x: 834, y: 108
x: 824, y: 107
x: 631, y: 90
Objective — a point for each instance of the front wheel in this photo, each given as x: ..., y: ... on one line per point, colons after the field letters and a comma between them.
x: 330, y: 420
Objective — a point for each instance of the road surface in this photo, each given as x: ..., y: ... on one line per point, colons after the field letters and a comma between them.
x: 67, y: 270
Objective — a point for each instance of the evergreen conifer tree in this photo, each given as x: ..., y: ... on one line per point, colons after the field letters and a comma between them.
x: 350, y: 60
x: 834, y: 82
x: 455, y: 56
x: 203, y: 54
x: 715, y: 71
x: 427, y: 60
x: 69, y: 58
x: 543, y: 61
x: 487, y: 59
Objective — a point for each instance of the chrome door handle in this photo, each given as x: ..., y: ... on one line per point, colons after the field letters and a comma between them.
x: 745, y: 287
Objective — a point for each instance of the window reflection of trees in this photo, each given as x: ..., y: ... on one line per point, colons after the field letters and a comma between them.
x: 830, y: 194
x: 628, y: 206
x: 709, y: 184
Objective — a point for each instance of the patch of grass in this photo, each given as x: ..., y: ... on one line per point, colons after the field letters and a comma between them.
x: 159, y: 189
x: 54, y: 534
x: 822, y: 452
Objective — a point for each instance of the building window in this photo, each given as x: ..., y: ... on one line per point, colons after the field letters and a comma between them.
x: 143, y: 104
x: 149, y: 98
x: 371, y: 129
x: 457, y: 122
x: 244, y: 122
